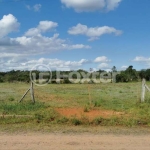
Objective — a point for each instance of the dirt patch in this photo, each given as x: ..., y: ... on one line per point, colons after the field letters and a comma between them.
x: 79, y: 113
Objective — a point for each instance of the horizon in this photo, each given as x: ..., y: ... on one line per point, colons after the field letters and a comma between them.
x: 73, y: 35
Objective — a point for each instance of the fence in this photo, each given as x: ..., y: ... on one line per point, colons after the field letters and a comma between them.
x: 144, y: 87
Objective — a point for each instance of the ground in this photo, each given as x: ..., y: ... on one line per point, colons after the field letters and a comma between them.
x: 57, y: 141
x: 91, y: 114
x: 74, y: 117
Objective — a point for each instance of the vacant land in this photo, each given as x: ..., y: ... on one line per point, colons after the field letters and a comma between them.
x: 74, y: 116
x: 112, y: 104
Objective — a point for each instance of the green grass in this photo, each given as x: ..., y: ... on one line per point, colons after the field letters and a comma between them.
x: 122, y: 97
x: 20, y: 108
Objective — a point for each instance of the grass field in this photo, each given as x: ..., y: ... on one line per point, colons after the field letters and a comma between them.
x: 111, y: 104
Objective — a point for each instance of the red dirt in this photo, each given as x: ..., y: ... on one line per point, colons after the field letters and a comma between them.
x: 79, y: 113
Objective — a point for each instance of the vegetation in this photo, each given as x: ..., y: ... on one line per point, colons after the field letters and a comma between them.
x: 119, y: 98
x: 129, y: 75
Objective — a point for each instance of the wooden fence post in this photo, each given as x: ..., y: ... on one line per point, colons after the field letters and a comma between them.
x: 32, y: 92
x: 143, y: 91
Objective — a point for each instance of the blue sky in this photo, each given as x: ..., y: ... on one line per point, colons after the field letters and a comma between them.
x: 74, y: 34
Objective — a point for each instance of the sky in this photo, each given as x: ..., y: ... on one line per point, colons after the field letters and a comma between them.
x: 74, y: 34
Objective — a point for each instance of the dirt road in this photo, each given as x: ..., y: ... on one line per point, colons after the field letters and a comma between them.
x: 59, y: 141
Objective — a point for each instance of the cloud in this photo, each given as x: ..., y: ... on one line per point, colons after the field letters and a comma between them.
x: 36, y: 7
x: 124, y: 67
x: 112, y: 4
x: 21, y: 63
x: 39, y: 44
x: 103, y: 62
x: 8, y: 24
x: 141, y: 59
x: 8, y: 55
x: 25, y: 62
x: 44, y: 26
x: 103, y: 66
x: 93, y: 32
x: 28, y: 7
x: 91, y: 5
x: 79, y: 46
x: 101, y: 59
x: 13, y: 51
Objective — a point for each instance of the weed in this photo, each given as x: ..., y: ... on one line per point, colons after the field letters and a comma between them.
x: 11, y: 98
x: 62, y: 120
x: 98, y: 121
x: 86, y: 109
x: 76, y: 121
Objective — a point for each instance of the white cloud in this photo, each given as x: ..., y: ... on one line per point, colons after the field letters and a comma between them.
x: 79, y: 46
x: 103, y: 62
x: 7, y: 55
x: 36, y: 45
x: 91, y: 5
x: 101, y: 59
x: 93, y: 32
x: 8, y: 24
x: 32, y: 43
x: 44, y: 26
x: 141, y: 59
x: 124, y: 67
x: 36, y: 7
x: 112, y: 4
x: 20, y: 63
x: 103, y: 66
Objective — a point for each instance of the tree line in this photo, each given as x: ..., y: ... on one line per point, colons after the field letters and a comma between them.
x: 128, y: 75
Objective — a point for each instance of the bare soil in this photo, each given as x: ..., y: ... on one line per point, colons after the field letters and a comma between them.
x: 83, y: 141
x: 92, y: 114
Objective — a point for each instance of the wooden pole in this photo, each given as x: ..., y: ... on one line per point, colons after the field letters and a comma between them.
x: 89, y: 94
x: 143, y: 91
x: 32, y: 92
x: 24, y: 95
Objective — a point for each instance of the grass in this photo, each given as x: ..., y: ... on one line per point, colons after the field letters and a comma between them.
x: 121, y: 97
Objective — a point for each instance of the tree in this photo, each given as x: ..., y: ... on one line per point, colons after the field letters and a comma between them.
x: 114, y: 69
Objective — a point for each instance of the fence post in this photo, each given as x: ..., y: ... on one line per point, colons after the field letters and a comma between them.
x: 32, y: 92
x: 143, y: 91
